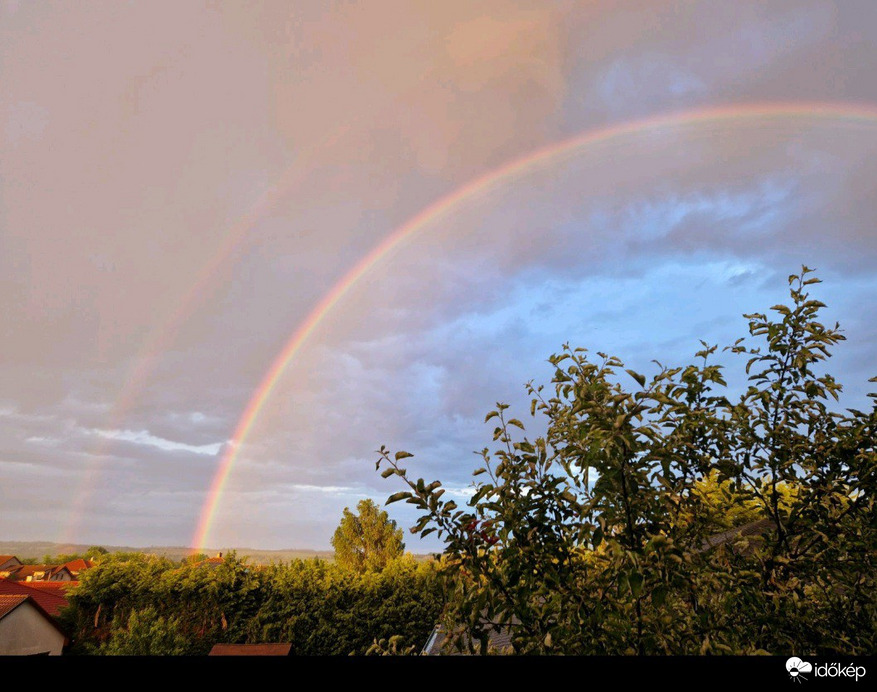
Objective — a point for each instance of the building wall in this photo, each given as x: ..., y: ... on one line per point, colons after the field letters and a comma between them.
x: 26, y: 631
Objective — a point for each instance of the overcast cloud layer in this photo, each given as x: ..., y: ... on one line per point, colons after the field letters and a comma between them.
x: 181, y: 183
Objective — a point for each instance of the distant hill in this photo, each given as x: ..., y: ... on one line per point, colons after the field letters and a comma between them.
x: 37, y: 549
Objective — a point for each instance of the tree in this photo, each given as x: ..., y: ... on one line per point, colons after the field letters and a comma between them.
x: 146, y: 633
x: 366, y: 541
x: 141, y: 604
x: 598, y: 537
x: 96, y: 552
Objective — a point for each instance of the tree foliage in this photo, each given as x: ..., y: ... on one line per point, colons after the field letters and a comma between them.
x: 368, y: 540
x: 598, y: 537
x: 141, y: 604
x: 146, y: 633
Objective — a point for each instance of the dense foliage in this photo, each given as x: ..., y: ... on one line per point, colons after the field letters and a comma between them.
x: 141, y: 604
x: 368, y: 540
x: 604, y: 535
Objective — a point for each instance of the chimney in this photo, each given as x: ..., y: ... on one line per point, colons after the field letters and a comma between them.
x: 220, y: 555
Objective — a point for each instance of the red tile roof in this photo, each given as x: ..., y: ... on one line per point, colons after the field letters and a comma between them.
x: 78, y: 565
x: 8, y: 603
x: 49, y: 599
x: 4, y: 558
x: 53, y: 587
x: 22, y: 572
x: 251, y: 650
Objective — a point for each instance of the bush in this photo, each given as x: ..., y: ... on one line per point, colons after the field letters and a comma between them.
x: 137, y: 604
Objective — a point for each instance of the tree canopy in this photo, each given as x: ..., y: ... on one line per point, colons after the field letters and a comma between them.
x: 135, y: 604
x: 609, y: 533
x: 368, y: 540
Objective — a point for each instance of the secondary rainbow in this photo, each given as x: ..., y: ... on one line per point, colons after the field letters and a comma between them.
x: 444, y: 206
x: 160, y: 339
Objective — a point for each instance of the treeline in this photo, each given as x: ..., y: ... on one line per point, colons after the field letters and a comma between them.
x: 93, y: 553
x: 138, y: 604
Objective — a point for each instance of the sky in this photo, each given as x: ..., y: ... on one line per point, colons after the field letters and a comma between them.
x: 245, y: 244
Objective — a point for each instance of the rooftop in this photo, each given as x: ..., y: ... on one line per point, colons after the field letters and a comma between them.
x: 251, y: 650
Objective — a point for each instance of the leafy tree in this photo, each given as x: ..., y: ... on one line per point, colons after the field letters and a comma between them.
x: 133, y: 603
x: 598, y: 537
x: 367, y: 541
x: 325, y: 609
x: 96, y: 552
x: 146, y: 633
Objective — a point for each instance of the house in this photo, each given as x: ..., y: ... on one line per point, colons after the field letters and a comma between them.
x: 251, y: 650
x: 12, y: 568
x: 211, y: 562
x: 26, y: 629
x: 8, y: 561
x: 77, y: 566
x: 37, y: 573
x: 50, y: 596
x: 497, y: 643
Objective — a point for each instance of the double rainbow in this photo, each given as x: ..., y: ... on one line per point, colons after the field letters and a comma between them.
x: 445, y: 206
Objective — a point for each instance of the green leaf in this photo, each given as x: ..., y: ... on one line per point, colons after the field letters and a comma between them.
x: 635, y: 579
x: 516, y: 423
x: 387, y: 473
x: 403, y: 455
x: 639, y: 378
x: 395, y: 497
x: 659, y: 595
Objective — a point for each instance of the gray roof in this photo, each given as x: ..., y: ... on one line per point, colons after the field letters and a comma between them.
x: 498, y: 642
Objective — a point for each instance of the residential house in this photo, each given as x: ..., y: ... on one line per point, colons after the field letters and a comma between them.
x: 8, y: 561
x: 498, y: 642
x: 77, y: 566
x: 37, y: 573
x: 211, y: 562
x: 50, y: 596
x: 26, y: 629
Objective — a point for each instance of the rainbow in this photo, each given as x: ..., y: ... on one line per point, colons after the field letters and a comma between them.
x: 160, y: 339
x: 443, y: 207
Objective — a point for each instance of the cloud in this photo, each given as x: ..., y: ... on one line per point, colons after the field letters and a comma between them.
x: 169, y: 217
x: 624, y: 81
x: 143, y: 437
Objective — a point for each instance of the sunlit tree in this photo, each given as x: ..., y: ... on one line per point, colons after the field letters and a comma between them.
x: 614, y: 532
x: 368, y: 540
